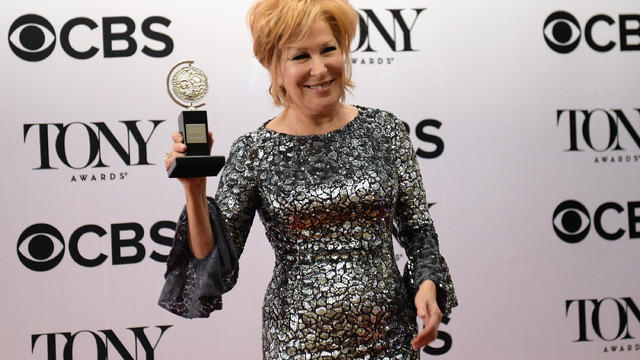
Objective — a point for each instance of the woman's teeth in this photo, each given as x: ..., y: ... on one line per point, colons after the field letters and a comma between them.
x: 319, y: 87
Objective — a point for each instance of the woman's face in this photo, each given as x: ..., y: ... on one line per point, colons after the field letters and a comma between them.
x: 312, y: 72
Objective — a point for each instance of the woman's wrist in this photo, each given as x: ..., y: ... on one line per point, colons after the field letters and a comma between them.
x: 194, y: 190
x: 428, y: 285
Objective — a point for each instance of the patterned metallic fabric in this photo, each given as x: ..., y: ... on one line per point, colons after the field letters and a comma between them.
x: 330, y: 204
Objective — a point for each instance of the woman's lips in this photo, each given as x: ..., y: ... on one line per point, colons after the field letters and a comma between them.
x: 320, y: 86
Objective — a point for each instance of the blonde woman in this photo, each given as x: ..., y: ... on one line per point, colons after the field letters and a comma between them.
x: 331, y: 183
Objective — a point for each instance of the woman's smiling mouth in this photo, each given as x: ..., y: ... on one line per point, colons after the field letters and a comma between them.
x: 320, y: 86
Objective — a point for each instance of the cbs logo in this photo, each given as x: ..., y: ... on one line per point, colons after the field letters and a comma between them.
x: 562, y: 32
x: 572, y: 222
x: 33, y: 38
x: 41, y: 247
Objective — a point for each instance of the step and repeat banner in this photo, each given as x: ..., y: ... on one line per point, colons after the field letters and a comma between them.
x: 525, y: 117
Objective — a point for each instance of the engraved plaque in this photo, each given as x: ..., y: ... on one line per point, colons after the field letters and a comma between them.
x: 196, y: 133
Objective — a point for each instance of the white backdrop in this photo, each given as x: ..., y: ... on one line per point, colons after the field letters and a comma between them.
x: 489, y: 105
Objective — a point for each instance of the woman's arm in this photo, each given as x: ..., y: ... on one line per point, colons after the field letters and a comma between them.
x: 201, y: 238
x: 426, y: 271
x: 210, y: 234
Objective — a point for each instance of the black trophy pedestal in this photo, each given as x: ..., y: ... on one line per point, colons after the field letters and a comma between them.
x: 192, y: 124
x: 195, y: 166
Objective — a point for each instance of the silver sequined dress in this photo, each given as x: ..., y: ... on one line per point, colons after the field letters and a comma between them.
x: 329, y: 204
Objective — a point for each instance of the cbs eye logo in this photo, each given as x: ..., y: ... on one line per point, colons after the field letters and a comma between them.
x: 562, y: 32
x: 40, y: 247
x: 572, y: 222
x: 32, y: 37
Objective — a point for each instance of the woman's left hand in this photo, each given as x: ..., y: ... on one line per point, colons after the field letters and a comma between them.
x: 429, y: 312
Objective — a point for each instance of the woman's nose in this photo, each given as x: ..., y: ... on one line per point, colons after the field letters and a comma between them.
x: 318, y: 66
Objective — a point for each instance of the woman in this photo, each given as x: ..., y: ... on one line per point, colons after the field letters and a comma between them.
x: 331, y: 182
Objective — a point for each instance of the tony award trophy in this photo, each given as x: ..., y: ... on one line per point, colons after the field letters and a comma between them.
x: 190, y: 85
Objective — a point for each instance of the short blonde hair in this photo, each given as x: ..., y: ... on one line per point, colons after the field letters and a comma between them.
x: 276, y: 24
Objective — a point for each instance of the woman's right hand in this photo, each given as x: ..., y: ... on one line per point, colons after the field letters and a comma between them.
x: 178, y: 149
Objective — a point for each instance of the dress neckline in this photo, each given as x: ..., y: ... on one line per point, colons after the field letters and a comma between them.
x: 327, y: 134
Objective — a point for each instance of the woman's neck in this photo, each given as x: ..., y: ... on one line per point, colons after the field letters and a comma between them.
x: 297, y: 122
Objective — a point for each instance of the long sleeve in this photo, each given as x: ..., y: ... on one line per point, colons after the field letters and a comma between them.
x: 414, y: 227
x: 194, y: 287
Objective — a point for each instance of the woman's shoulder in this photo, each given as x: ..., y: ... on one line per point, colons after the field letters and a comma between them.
x: 381, y: 118
x: 251, y: 142
x: 253, y: 137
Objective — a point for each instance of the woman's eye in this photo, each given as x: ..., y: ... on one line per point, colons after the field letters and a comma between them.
x: 329, y: 49
x: 300, y: 57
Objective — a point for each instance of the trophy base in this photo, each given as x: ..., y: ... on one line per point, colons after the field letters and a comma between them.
x: 195, y: 166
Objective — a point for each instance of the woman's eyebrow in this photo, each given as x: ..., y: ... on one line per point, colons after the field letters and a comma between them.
x: 303, y: 48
